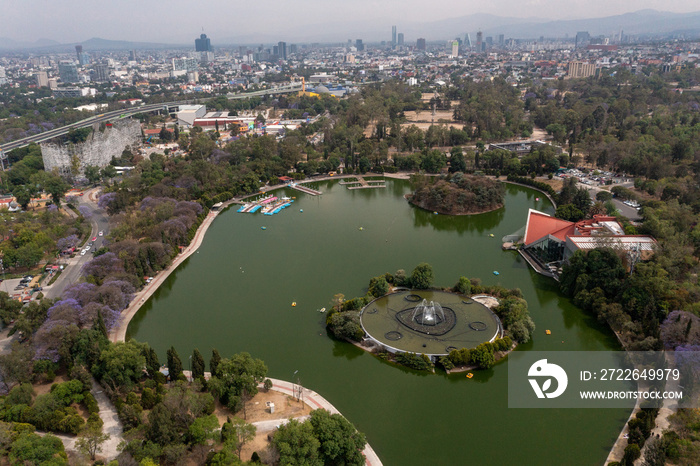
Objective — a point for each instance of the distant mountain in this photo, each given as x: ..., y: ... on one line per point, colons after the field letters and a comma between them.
x: 643, y: 22
x: 97, y: 43
x: 7, y: 43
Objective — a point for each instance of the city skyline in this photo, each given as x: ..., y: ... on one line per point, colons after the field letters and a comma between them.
x: 78, y: 20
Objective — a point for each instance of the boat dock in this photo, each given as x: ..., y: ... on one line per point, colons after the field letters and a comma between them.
x: 252, y: 207
x: 362, y: 183
x: 305, y: 189
x: 275, y: 208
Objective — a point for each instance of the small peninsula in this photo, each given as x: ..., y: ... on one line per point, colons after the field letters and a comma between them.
x: 457, y: 194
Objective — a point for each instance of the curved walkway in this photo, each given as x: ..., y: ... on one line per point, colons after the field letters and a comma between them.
x: 316, y: 401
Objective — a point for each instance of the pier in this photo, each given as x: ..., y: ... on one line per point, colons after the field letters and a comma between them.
x: 305, y: 189
x: 362, y: 183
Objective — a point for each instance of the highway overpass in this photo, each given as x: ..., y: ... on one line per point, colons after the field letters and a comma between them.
x: 117, y: 114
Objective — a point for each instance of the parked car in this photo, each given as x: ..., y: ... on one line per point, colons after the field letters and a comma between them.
x: 101, y: 233
x: 82, y: 253
x: 94, y: 238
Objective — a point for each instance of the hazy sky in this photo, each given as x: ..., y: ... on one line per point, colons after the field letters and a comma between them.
x: 181, y: 20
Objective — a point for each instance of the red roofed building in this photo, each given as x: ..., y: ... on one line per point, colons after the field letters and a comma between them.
x: 549, y: 240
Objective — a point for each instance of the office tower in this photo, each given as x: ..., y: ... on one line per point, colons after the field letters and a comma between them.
x: 393, y: 36
x: 185, y: 64
x: 359, y: 45
x: 579, y: 69
x: 455, y: 49
x: 501, y: 40
x: 468, y: 40
x: 282, y: 50
x: 489, y: 41
x: 42, y: 79
x: 276, y: 50
x: 582, y: 38
x: 479, y: 36
x: 68, y: 72
x: 293, y: 49
x: 400, y: 38
x: 78, y: 51
x: 203, y: 44
x: 101, y: 72
x: 420, y: 44
x: 132, y: 55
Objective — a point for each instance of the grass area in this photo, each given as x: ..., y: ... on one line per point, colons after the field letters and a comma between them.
x: 56, y: 275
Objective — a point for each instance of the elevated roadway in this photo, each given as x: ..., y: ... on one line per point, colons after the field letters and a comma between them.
x: 123, y: 113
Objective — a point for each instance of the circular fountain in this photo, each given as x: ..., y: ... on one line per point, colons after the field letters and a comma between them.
x: 428, y: 321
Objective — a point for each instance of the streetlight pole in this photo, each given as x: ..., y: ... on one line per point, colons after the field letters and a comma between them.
x: 294, y: 388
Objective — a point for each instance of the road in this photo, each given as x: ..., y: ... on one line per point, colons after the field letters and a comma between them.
x: 117, y: 114
x: 73, y: 267
x: 629, y: 212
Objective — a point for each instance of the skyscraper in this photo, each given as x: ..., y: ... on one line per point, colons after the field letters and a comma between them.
x: 501, y: 40
x: 203, y: 44
x: 420, y: 44
x: 101, y: 72
x: 582, y: 38
x: 393, y: 36
x: 467, y: 40
x: 132, y: 55
x: 455, y: 49
x: 479, y: 37
x: 78, y: 50
x: 282, y: 50
x: 68, y: 72
x: 42, y: 79
x: 400, y: 38
x: 359, y: 45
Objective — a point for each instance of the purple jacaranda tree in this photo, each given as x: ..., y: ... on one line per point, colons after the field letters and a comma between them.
x: 85, y: 212
x: 69, y: 241
x: 680, y: 328
x: 103, y: 266
x: 106, y: 200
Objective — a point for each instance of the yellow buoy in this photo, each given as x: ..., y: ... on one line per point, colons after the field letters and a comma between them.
x: 548, y: 332
x: 294, y: 304
x: 469, y: 375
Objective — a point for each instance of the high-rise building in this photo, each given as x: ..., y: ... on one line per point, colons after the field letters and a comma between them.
x: 101, y: 72
x: 132, y: 55
x: 292, y: 49
x: 501, y: 40
x: 359, y: 45
x: 68, y: 72
x: 185, y: 64
x: 393, y: 36
x: 400, y: 38
x: 455, y: 49
x: 582, y: 38
x: 479, y: 37
x: 468, y: 40
x: 203, y: 44
x: 78, y: 50
x: 42, y: 79
x: 420, y: 44
x: 282, y: 50
x: 579, y: 69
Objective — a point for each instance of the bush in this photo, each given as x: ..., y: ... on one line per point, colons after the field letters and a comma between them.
x: 415, y: 361
x: 91, y: 403
x: 267, y: 384
x: 463, y: 286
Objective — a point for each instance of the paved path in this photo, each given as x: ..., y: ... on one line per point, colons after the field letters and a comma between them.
x: 112, y: 425
x: 316, y: 401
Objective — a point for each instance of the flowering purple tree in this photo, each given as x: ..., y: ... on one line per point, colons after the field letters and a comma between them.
x: 70, y: 241
x: 680, y: 328
x: 102, y: 266
x: 106, y: 200
x: 85, y: 212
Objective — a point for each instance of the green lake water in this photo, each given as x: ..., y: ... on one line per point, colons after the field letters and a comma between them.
x: 235, y: 295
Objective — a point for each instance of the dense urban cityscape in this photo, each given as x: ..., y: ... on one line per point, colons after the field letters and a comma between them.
x: 342, y: 252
